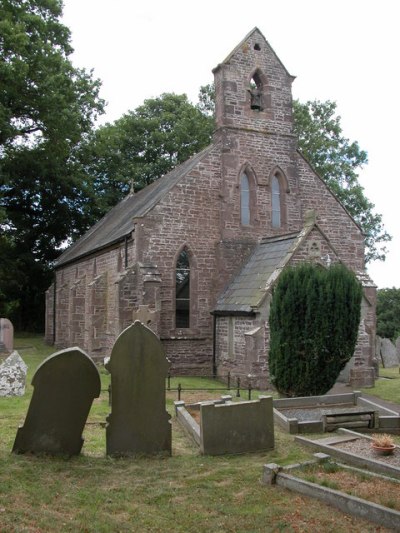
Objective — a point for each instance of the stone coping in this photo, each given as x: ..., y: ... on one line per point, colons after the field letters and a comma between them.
x: 308, y: 414
x: 274, y: 474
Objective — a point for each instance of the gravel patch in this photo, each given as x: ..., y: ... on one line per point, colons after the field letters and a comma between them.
x: 316, y: 413
x: 363, y: 448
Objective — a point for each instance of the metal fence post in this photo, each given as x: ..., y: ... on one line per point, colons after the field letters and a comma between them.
x: 238, y: 388
x: 179, y: 392
x: 169, y: 381
x: 109, y: 394
x: 229, y: 380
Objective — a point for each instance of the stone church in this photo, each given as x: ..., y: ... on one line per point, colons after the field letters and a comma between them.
x: 195, y: 254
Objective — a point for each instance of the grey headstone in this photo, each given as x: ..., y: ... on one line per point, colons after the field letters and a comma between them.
x: 237, y: 427
x: 6, y: 335
x: 378, y: 342
x: 138, y: 422
x: 13, y: 376
x: 398, y: 348
x: 388, y: 354
x: 65, y: 385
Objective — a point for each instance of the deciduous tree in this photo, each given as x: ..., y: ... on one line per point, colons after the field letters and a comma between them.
x: 388, y: 313
x: 46, y: 107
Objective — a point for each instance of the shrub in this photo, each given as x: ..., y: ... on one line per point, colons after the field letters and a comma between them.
x: 314, y: 319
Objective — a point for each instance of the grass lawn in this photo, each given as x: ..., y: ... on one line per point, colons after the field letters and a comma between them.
x: 388, y: 386
x: 183, y: 493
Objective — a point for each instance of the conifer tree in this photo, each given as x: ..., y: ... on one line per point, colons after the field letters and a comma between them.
x: 314, y: 319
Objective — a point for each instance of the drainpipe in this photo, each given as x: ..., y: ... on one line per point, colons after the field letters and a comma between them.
x: 54, y: 307
x: 126, y: 251
x: 214, y: 345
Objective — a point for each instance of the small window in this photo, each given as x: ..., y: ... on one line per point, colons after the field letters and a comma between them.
x: 231, y: 337
x: 256, y: 90
x: 276, y: 202
x: 244, y: 200
x: 182, y: 291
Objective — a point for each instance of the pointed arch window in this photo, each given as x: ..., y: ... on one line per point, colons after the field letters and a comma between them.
x: 256, y: 91
x: 244, y: 200
x: 182, y: 290
x: 276, y: 202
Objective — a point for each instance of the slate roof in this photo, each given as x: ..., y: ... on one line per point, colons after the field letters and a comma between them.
x: 118, y: 223
x: 246, y: 292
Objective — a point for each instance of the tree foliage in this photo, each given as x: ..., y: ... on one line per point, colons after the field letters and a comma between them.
x: 144, y: 144
x: 388, y: 313
x: 46, y: 107
x: 314, y: 319
x: 337, y: 161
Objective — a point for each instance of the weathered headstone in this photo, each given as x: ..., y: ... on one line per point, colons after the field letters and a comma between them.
x: 237, y: 427
x: 378, y: 342
x: 13, y: 375
x: 388, y: 354
x: 6, y: 335
x: 65, y: 385
x: 398, y: 348
x: 138, y: 422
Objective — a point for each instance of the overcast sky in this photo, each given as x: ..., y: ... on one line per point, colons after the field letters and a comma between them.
x: 341, y: 50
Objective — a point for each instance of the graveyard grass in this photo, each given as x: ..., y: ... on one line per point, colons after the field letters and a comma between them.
x: 183, y: 493
x: 388, y: 387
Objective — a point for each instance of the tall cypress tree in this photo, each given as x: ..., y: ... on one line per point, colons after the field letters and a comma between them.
x: 314, y: 319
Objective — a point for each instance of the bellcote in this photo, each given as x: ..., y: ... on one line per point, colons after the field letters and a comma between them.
x: 253, y: 89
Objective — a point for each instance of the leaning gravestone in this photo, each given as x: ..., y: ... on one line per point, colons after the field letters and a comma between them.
x: 138, y: 422
x: 6, y: 335
x: 65, y: 385
x: 388, y: 354
x: 13, y: 375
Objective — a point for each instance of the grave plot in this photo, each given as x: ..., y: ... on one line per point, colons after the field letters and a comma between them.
x: 318, y: 414
x: 225, y: 427
x: 355, y: 449
x: 370, y: 496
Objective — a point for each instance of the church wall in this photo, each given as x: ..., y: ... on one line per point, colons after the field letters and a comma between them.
x: 243, y: 342
x: 343, y: 233
x: 86, y: 304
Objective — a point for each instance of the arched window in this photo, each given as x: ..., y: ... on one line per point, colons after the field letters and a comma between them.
x: 244, y: 200
x: 182, y: 290
x: 276, y: 202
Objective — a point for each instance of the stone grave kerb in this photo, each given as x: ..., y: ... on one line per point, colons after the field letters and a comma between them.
x: 138, y: 422
x: 65, y: 385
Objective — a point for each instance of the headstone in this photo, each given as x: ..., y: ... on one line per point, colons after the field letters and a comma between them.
x: 237, y: 427
x: 388, y: 354
x: 138, y: 422
x: 65, y: 385
x: 398, y: 348
x: 6, y: 335
x: 13, y: 375
x: 378, y: 342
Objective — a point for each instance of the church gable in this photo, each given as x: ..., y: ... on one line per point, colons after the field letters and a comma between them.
x: 253, y: 88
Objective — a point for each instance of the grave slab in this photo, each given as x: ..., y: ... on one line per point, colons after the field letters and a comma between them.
x: 65, y: 385
x: 138, y: 422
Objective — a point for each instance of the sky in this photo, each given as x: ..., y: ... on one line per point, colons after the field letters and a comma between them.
x: 341, y: 50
